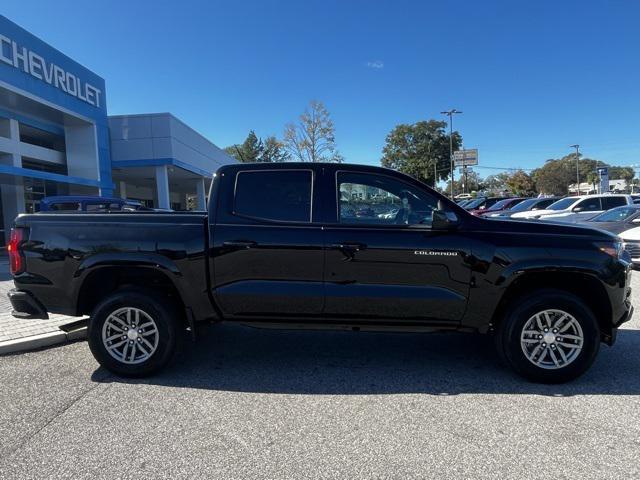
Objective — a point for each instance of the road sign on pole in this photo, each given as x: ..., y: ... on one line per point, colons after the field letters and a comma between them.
x: 604, y: 179
x: 464, y: 158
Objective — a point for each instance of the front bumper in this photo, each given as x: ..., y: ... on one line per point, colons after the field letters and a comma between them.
x: 26, y: 306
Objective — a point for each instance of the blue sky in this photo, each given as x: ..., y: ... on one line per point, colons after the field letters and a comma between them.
x: 531, y: 77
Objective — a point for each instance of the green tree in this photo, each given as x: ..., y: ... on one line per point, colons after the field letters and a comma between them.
x: 520, y: 183
x: 419, y: 149
x: 252, y: 148
x: 496, y: 183
x: 249, y: 151
x: 474, y: 183
x: 312, y: 139
x: 627, y: 173
x: 592, y: 179
x: 234, y: 151
x: 273, y: 151
x: 555, y: 176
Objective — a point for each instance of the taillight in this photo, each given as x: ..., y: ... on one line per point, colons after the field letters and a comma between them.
x: 16, y: 260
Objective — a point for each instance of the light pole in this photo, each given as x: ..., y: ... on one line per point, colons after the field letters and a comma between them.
x: 577, y: 147
x: 450, y: 114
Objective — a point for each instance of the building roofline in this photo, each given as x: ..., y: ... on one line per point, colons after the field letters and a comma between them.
x: 158, y: 114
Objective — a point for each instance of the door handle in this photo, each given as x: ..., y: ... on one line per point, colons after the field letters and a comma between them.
x: 240, y: 243
x: 349, y: 247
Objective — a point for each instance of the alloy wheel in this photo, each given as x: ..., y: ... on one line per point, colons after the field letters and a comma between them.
x: 130, y: 335
x: 552, y: 339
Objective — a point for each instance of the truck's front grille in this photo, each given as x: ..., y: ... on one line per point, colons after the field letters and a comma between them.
x: 633, y: 248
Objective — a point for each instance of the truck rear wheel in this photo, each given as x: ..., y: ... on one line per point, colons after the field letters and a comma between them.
x: 549, y: 336
x: 133, y: 333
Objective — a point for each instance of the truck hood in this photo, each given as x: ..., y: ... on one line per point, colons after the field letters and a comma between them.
x: 631, y: 234
x: 507, y: 225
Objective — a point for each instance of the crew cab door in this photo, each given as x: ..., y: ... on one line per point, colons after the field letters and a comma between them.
x: 384, y: 262
x: 267, y: 251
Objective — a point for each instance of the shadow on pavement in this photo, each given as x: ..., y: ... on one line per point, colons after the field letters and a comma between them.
x: 242, y: 359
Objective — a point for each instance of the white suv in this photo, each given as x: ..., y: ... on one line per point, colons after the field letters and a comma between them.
x: 576, y: 209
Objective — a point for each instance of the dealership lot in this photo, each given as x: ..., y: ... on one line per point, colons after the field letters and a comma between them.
x: 246, y: 403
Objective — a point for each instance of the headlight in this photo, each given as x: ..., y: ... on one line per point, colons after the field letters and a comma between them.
x: 613, y: 249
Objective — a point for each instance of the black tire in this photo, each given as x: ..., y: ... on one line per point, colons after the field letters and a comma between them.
x: 511, y: 349
x: 161, y: 312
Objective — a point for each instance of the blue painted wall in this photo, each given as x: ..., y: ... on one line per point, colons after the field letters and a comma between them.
x: 20, y: 79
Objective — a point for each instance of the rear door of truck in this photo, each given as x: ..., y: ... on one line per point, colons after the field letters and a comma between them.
x: 267, y: 243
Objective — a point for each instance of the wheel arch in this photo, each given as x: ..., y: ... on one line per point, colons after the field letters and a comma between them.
x: 104, y: 279
x: 583, y: 285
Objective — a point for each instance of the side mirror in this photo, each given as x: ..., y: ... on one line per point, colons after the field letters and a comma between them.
x: 635, y: 220
x: 578, y: 209
x: 444, y: 220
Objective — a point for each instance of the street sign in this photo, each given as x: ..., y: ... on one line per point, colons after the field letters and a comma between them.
x: 604, y: 179
x: 462, y: 158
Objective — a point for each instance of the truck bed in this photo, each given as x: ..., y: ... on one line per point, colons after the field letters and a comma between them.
x: 64, y: 249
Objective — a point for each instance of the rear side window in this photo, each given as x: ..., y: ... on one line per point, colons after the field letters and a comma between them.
x: 65, y: 207
x: 612, y: 202
x: 282, y: 196
x: 98, y: 207
x: 589, y: 205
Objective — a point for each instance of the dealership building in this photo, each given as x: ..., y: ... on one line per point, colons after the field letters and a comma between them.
x: 56, y: 137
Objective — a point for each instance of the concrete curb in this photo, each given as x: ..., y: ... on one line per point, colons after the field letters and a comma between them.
x: 42, y: 340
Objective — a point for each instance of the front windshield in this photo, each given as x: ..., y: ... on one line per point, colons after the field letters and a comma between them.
x: 475, y: 203
x: 563, y: 204
x: 615, y: 215
x: 524, y: 205
x: 499, y: 205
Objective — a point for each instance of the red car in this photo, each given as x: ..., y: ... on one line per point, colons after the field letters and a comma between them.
x: 499, y: 206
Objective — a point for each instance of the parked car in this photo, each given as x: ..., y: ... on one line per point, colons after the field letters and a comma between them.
x: 624, y: 222
x: 88, y: 203
x: 274, y: 249
x: 482, y: 203
x: 365, y: 212
x: 462, y: 196
x: 528, y: 205
x: 500, y: 206
x: 576, y: 209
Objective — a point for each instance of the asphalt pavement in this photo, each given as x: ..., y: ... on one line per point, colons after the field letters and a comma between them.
x: 248, y: 403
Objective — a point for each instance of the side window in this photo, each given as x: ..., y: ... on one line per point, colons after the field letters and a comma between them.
x: 278, y: 195
x: 98, y: 207
x: 589, y: 205
x: 65, y: 207
x: 544, y: 203
x: 371, y: 199
x: 612, y: 202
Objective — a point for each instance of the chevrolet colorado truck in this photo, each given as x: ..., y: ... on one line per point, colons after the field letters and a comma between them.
x: 324, y: 246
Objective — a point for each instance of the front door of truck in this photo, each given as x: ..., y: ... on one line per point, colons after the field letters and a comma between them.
x: 267, y: 255
x: 383, y: 260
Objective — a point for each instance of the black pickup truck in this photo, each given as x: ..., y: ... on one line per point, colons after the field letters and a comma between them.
x: 324, y: 246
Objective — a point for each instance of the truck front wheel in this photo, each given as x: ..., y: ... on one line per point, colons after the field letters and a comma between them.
x: 549, y: 336
x: 133, y: 333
